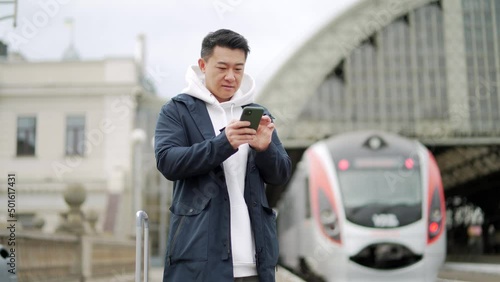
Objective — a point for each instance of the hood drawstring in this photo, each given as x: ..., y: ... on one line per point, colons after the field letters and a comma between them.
x: 232, y: 115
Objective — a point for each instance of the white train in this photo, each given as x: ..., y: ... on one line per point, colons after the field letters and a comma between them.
x: 364, y: 206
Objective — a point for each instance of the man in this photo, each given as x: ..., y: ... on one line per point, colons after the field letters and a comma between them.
x: 222, y: 228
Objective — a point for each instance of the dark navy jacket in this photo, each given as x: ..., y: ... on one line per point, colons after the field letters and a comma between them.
x: 188, y: 152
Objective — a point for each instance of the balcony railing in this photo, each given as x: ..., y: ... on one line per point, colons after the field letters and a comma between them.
x: 65, y: 257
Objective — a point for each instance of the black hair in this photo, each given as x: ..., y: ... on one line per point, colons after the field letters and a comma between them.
x: 223, y: 38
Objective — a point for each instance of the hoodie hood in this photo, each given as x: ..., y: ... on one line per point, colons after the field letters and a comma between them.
x: 196, y: 88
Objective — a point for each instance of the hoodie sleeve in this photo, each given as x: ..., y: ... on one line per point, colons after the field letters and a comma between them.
x: 176, y: 157
x: 274, y: 164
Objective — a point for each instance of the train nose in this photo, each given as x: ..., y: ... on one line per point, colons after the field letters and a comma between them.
x: 386, y: 256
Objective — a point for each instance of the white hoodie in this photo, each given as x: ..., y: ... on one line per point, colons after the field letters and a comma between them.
x: 242, y: 242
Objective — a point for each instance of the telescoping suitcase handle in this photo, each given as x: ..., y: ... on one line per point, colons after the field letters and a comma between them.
x: 141, y: 216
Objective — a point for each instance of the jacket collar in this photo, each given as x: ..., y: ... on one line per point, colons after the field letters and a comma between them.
x: 199, y: 113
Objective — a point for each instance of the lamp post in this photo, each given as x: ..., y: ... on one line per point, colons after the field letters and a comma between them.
x: 138, y: 138
x: 163, y: 190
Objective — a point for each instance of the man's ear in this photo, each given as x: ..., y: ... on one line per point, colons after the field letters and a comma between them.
x: 202, y: 64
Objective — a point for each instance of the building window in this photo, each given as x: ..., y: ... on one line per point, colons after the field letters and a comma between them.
x: 481, y: 32
x: 26, y: 136
x: 75, y: 130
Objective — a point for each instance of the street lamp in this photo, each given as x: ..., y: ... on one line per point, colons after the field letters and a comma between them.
x: 165, y: 189
x: 138, y: 138
x: 164, y: 203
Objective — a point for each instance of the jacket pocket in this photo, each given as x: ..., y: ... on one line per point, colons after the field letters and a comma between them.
x: 188, y: 239
x: 270, y: 236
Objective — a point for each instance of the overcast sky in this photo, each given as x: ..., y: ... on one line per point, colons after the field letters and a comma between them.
x: 173, y: 29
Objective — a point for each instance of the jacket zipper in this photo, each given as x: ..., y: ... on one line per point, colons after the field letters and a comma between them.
x: 229, y: 231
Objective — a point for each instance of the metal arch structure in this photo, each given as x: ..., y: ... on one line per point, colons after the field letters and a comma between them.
x: 296, y: 81
x: 299, y: 77
x: 463, y: 155
x: 295, y: 87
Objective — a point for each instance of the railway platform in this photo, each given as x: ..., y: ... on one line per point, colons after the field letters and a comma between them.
x: 457, y: 268
x: 156, y: 275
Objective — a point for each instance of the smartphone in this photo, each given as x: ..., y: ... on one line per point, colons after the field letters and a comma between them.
x: 253, y: 115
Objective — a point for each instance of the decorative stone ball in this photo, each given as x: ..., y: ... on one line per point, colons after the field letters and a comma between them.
x: 75, y: 195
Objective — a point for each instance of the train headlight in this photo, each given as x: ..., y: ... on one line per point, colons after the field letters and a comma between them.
x: 434, y: 222
x: 433, y: 227
x: 329, y: 221
x: 374, y: 142
x: 326, y: 215
x: 328, y: 218
x: 436, y: 210
x: 436, y: 215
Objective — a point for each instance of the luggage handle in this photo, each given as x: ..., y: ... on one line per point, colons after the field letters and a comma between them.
x: 141, y: 216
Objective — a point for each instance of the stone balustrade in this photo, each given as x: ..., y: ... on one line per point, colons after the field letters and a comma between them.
x: 69, y: 257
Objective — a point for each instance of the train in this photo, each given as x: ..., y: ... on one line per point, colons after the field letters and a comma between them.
x: 364, y: 206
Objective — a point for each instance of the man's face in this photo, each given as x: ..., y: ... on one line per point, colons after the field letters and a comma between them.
x: 223, y: 72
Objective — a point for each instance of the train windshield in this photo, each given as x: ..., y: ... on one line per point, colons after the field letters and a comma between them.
x: 382, y: 198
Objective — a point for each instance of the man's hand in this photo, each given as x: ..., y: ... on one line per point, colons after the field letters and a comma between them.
x: 264, y: 135
x: 238, y: 132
